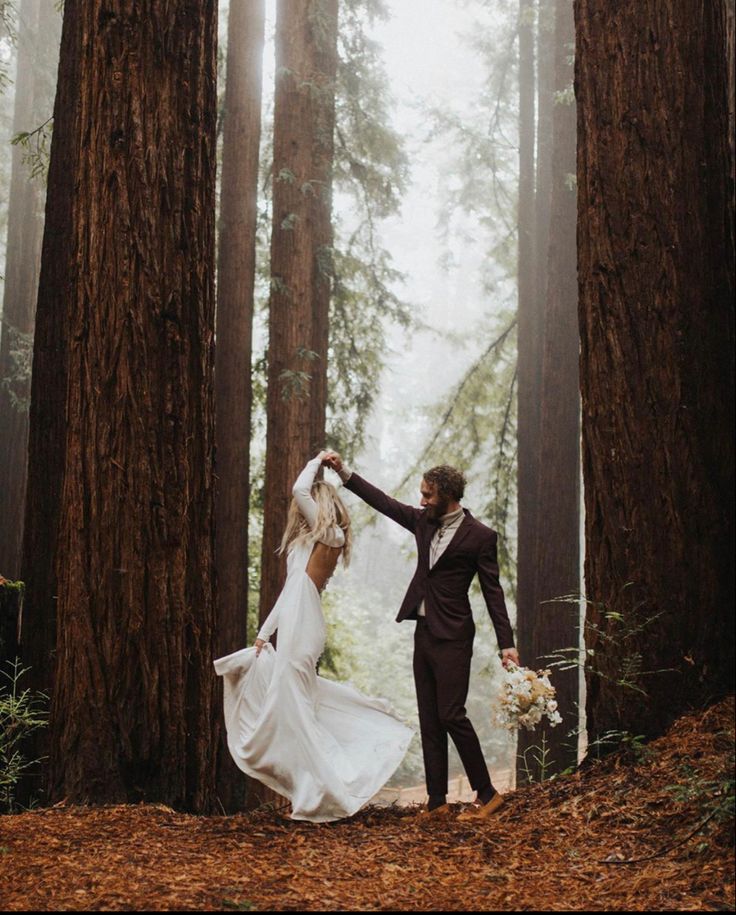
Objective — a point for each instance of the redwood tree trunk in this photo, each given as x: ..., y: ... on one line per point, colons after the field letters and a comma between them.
x: 529, y: 339
x: 301, y: 249
x: 555, y: 625
x: 235, y: 291
x: 656, y: 258
x: 133, y: 711
x: 39, y: 27
x: 731, y: 64
x: 545, y: 43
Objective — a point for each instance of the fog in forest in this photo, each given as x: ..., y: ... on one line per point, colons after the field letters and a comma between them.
x: 456, y: 291
x: 239, y: 235
x: 445, y: 382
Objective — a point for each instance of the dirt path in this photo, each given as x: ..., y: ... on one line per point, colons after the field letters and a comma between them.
x: 552, y: 847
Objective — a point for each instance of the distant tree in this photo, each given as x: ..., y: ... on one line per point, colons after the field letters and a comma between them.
x: 39, y: 26
x: 235, y: 309
x: 529, y: 338
x: 119, y: 527
x: 545, y: 84
x: 656, y: 256
x: 301, y: 261
x: 369, y: 175
x: 8, y: 57
x: 553, y: 627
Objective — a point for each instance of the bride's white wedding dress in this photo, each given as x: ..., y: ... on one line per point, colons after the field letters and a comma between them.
x: 323, y: 745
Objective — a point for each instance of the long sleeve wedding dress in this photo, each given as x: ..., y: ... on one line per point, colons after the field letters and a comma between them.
x: 323, y: 745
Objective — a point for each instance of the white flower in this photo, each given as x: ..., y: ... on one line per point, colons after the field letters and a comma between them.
x: 526, y: 697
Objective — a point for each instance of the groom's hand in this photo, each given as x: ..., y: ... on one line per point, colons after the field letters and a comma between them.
x: 333, y: 459
x: 510, y: 654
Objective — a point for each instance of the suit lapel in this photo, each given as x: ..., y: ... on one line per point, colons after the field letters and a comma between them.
x: 425, y: 532
x: 466, y: 525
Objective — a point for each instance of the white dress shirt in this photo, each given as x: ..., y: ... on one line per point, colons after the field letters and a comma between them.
x: 447, y: 529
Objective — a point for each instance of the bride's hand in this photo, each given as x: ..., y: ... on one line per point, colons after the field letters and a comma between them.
x: 259, y: 646
x: 332, y: 459
x: 324, y: 456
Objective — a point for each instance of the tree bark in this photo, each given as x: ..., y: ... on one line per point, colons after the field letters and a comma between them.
x: 529, y: 338
x: 38, y: 45
x: 133, y: 707
x: 301, y: 253
x: 235, y: 294
x: 656, y: 254
x: 60, y: 272
x: 11, y: 608
x: 731, y: 64
x: 555, y: 625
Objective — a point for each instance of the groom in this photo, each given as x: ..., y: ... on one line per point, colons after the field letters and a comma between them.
x: 452, y: 547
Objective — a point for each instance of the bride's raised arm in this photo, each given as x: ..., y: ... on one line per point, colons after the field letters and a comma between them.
x: 302, y: 490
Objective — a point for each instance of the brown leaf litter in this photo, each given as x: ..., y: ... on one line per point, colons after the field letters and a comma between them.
x: 611, y: 837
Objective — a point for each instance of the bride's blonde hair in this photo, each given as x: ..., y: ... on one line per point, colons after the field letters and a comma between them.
x: 331, y: 512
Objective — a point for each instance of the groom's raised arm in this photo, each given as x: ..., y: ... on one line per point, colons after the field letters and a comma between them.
x: 405, y: 515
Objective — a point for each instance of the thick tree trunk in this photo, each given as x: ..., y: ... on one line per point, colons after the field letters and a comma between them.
x: 235, y: 291
x: 529, y: 340
x: 656, y: 286
x: 301, y: 249
x: 133, y: 711
x: 38, y: 35
x: 556, y: 625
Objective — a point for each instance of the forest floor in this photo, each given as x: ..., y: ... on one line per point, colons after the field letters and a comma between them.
x: 647, y: 829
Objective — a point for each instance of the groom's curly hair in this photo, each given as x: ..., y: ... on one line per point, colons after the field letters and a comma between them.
x: 448, y: 480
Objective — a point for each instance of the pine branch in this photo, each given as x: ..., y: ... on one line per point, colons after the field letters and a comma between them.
x: 499, y: 341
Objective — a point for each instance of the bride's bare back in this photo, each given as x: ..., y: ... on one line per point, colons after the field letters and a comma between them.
x: 322, y: 562
x: 322, y: 744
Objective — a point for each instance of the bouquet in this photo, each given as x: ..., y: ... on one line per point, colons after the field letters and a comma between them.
x: 526, y: 697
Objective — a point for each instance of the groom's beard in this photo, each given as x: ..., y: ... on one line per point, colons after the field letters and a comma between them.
x: 435, y: 512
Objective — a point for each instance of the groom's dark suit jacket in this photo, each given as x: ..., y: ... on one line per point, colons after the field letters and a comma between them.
x: 444, y: 587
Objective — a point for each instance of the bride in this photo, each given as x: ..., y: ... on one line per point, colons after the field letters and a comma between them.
x: 323, y: 745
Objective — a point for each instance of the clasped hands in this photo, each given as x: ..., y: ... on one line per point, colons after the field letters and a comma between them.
x: 331, y: 459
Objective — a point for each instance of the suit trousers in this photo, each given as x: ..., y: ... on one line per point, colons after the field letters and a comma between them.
x: 442, y: 677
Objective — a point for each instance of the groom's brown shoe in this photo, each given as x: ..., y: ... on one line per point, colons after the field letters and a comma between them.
x: 484, y: 810
x: 427, y: 814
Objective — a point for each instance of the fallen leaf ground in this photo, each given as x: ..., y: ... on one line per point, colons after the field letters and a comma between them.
x: 565, y: 845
